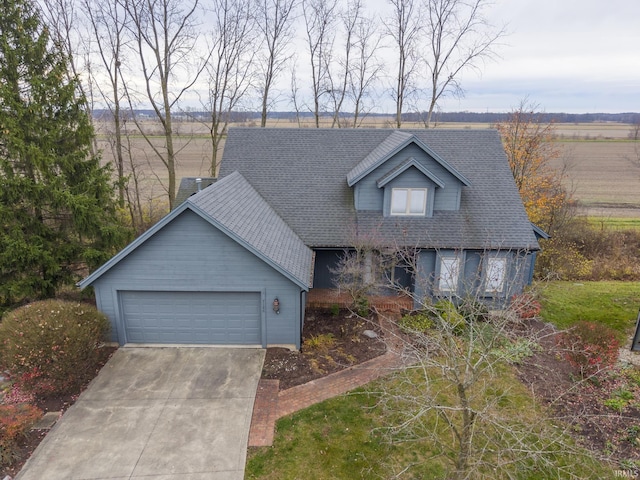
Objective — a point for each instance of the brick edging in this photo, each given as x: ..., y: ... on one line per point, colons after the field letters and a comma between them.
x: 269, y: 406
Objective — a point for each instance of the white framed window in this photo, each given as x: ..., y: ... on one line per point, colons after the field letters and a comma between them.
x: 495, y: 274
x: 449, y: 274
x: 408, y: 201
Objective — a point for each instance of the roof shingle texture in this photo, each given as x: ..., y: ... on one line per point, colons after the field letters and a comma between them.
x: 302, y: 174
x: 236, y: 206
x: 188, y: 187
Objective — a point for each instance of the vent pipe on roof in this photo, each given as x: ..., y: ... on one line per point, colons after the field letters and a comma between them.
x: 199, y: 183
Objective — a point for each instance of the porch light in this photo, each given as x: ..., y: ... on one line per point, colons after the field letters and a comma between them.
x: 276, y: 305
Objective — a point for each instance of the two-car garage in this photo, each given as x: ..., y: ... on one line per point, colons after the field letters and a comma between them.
x: 220, y: 318
x: 210, y: 272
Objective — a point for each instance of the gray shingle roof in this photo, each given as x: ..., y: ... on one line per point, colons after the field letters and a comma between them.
x: 188, y: 186
x: 233, y: 204
x: 302, y: 174
x: 235, y: 207
x: 394, y: 142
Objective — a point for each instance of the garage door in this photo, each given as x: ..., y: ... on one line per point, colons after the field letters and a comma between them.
x: 226, y: 318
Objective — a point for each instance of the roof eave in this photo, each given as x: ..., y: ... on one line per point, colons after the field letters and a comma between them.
x: 352, y: 180
x: 411, y: 163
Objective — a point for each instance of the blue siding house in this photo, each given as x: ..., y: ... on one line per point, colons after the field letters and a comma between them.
x: 233, y: 262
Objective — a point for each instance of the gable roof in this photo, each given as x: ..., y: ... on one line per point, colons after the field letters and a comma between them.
x: 410, y: 162
x: 391, y: 145
x: 302, y: 174
x: 236, y: 208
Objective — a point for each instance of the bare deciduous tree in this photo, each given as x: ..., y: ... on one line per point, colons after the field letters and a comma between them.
x: 165, y: 36
x: 366, y: 66
x: 275, y: 20
x: 634, y: 131
x: 450, y: 394
x: 459, y: 36
x: 66, y: 28
x: 404, y: 28
x: 295, y: 91
x: 338, y: 82
x: 108, y: 24
x: 229, y: 69
x: 319, y: 18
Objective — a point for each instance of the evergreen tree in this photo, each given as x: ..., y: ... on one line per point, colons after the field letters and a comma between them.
x: 57, y: 211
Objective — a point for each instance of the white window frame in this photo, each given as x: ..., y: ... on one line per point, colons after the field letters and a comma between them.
x: 495, y: 274
x: 450, y: 268
x: 408, y: 203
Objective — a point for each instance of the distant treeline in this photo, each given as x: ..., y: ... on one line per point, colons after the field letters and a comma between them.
x: 439, y: 117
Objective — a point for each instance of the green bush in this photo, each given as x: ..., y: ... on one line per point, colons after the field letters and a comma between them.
x: 15, y: 422
x: 51, y: 347
x: 449, y: 316
x: 361, y: 306
x: 417, y: 322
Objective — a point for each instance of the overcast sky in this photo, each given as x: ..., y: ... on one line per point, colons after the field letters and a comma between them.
x: 574, y: 56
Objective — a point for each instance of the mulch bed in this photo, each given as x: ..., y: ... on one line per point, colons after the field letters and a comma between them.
x: 331, y: 341
x: 58, y: 403
x: 581, y: 403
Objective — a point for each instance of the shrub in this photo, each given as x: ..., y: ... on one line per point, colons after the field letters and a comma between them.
x: 525, y: 306
x: 515, y: 352
x: 473, y: 310
x: 418, y: 322
x: 450, y: 318
x: 619, y: 399
x: 361, y: 306
x: 15, y: 421
x: 321, y: 342
x: 589, y: 347
x: 15, y: 395
x: 51, y: 346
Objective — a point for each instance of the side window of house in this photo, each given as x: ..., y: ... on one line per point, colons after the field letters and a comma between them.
x: 449, y: 274
x: 495, y: 275
x: 408, y: 201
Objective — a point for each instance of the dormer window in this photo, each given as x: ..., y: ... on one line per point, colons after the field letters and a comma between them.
x: 408, y: 201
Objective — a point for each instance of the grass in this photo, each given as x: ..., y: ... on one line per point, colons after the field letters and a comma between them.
x: 620, y: 223
x: 341, y: 438
x: 330, y: 440
x: 615, y: 304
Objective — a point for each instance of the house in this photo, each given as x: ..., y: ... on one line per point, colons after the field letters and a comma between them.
x: 233, y: 263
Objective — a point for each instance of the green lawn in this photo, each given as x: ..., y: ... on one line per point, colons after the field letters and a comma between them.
x: 615, y: 223
x: 615, y: 304
x: 341, y: 439
x: 331, y: 440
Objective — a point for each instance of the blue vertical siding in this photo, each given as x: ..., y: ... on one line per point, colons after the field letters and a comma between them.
x: 189, y: 254
x: 472, y: 281
x: 368, y: 196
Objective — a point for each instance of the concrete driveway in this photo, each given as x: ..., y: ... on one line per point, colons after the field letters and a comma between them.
x: 156, y: 414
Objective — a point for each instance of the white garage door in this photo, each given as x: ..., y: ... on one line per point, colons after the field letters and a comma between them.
x: 225, y: 318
